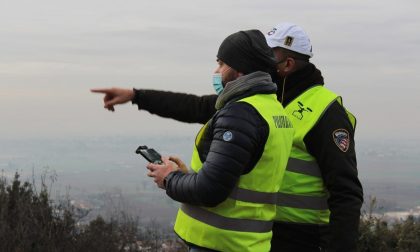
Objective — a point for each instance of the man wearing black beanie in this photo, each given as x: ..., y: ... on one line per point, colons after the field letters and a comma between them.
x: 247, y: 52
x: 239, y: 156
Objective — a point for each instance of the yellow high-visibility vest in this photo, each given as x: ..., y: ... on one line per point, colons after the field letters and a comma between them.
x: 243, y: 222
x: 303, y: 197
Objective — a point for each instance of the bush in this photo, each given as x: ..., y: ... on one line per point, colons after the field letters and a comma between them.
x: 376, y: 234
x: 29, y: 221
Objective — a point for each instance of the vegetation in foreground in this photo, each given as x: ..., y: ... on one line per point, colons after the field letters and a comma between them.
x: 31, y: 221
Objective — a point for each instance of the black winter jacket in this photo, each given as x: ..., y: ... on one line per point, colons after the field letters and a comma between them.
x: 224, y: 161
x: 339, y: 169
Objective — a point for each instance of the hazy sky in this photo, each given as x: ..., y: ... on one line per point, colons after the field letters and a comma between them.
x: 53, y: 52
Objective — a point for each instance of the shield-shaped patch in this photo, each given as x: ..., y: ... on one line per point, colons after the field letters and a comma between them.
x: 341, y: 139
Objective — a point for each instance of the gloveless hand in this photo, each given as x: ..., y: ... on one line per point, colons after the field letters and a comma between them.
x: 160, y: 171
x: 181, y: 165
x: 114, y: 96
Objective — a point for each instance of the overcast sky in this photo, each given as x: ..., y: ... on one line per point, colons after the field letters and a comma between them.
x: 53, y: 52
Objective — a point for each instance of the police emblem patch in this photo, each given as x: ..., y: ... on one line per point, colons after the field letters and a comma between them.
x: 341, y: 139
x: 227, y: 136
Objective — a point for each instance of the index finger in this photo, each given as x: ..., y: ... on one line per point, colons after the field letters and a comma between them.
x: 100, y: 90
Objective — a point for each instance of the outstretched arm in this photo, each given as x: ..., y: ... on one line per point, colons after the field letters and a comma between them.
x: 179, y: 106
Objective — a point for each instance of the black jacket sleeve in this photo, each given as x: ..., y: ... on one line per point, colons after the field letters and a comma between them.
x: 226, y: 160
x: 182, y: 107
x: 339, y: 171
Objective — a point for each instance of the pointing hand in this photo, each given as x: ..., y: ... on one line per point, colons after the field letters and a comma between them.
x: 114, y: 96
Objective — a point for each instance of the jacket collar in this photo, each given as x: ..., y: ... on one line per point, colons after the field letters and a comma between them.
x: 298, y: 82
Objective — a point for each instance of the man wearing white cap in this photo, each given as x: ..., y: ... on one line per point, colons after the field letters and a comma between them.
x: 321, y: 196
x: 319, y: 202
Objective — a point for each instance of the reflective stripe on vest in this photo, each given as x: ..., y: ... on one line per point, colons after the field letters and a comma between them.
x: 241, y: 225
x: 303, y: 167
x: 303, y: 197
x: 253, y: 196
x: 243, y: 222
x: 302, y: 201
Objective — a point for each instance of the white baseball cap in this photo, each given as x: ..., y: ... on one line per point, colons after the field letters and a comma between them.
x: 291, y: 37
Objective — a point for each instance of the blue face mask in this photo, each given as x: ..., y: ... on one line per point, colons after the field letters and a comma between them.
x: 217, y: 83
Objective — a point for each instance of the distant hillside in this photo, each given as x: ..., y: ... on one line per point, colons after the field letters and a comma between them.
x: 389, y: 170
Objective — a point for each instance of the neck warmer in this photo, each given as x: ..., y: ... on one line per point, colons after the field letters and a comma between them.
x: 256, y: 82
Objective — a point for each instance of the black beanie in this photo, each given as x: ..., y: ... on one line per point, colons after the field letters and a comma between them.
x: 247, y: 52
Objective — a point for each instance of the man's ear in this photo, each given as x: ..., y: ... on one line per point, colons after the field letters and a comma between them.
x: 290, y: 64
